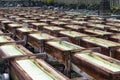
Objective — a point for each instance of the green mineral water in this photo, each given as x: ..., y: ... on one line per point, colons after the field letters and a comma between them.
x: 40, y: 36
x: 63, y: 45
x: 35, y: 72
x: 3, y: 39
x: 12, y: 50
x: 98, y: 61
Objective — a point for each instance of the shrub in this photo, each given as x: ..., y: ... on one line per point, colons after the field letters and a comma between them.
x: 50, y: 1
x: 114, y: 9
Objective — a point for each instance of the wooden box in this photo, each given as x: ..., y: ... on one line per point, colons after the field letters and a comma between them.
x: 111, y: 20
x: 97, y: 65
x: 107, y: 47
x: 96, y: 21
x: 77, y: 28
x: 52, y: 30
x: 114, y: 30
x: 98, y: 26
x: 38, y: 39
x: 52, y: 17
x: 27, y: 69
x: 39, y: 26
x: 80, y: 19
x: 11, y: 28
x: 82, y: 23
x: 19, y: 19
x: 115, y: 38
x: 12, y: 17
x: 28, y: 21
x: 58, y: 23
x: 65, y: 19
x: 98, y: 33
x: 117, y: 55
x: 4, y: 38
x: 46, y: 21
x: 113, y: 24
x: 37, y: 18
x: 21, y: 33
x: 34, y: 70
x: 62, y: 51
x: 2, y: 19
x: 12, y: 49
x: 5, y: 24
x: 73, y: 36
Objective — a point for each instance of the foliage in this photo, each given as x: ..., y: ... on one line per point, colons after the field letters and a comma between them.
x: 93, y: 6
x: 50, y: 1
x: 114, y: 9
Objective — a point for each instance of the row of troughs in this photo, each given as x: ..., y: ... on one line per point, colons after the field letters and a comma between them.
x: 89, y: 43
x: 25, y: 69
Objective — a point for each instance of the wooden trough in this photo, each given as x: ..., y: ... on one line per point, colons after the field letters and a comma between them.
x: 11, y: 28
x: 12, y: 17
x: 22, y: 33
x: 113, y: 24
x: 98, y: 26
x: 98, y: 33
x: 80, y: 19
x: 52, y: 30
x: 58, y: 23
x: 114, y: 30
x: 38, y: 39
x: 37, y: 18
x: 28, y: 69
x: 96, y: 21
x: 97, y: 65
x: 68, y: 16
x: 82, y: 23
x: 46, y: 21
x: 107, y: 47
x: 52, y: 18
x: 115, y: 37
x: 28, y: 21
x: 4, y: 38
x: 62, y: 51
x: 73, y: 36
x: 39, y: 26
x: 111, y: 20
x: 41, y: 70
x: 77, y: 28
x: 5, y: 24
x: 2, y: 19
x: 65, y: 19
x: 19, y: 19
x: 28, y: 16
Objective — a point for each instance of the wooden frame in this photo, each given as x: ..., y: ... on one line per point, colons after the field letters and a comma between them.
x: 60, y: 53
x: 98, y: 33
x: 97, y: 71
x: 5, y: 24
x: 52, y: 30
x: 22, y: 33
x: 20, y: 72
x: 77, y: 28
x: 39, y: 26
x: 38, y: 42
x: 74, y: 37
x: 107, y: 47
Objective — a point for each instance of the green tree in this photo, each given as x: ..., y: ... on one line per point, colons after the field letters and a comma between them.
x: 50, y: 1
